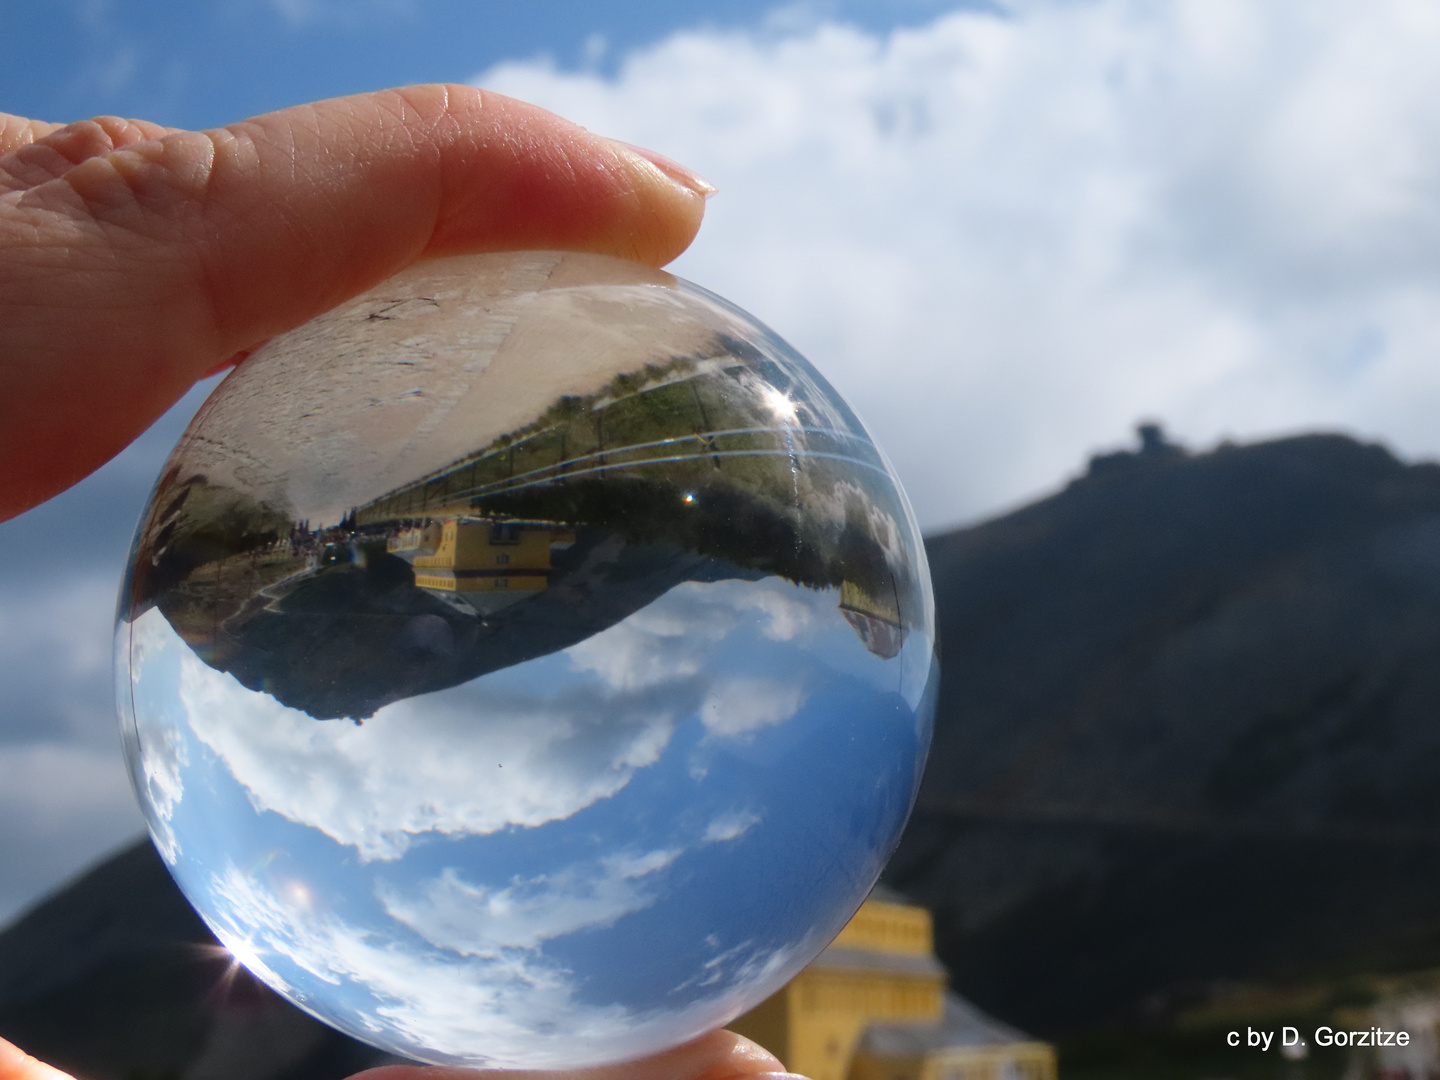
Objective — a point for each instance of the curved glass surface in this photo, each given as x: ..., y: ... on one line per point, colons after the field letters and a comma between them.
x: 529, y: 663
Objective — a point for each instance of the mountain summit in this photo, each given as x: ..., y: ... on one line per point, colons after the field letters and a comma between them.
x: 1187, y: 730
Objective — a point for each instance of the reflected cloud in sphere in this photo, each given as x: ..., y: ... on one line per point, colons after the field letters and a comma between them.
x: 528, y: 664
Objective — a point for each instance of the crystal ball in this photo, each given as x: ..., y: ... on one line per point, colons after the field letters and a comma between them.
x: 528, y: 664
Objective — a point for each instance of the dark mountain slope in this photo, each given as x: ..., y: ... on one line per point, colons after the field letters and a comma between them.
x: 1189, y: 730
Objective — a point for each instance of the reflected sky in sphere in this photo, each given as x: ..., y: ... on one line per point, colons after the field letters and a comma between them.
x: 528, y: 664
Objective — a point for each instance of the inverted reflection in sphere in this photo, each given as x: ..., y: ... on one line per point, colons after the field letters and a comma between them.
x: 528, y: 663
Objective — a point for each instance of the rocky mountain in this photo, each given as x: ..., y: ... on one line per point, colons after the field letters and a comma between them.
x: 1188, y: 737
x: 1189, y: 731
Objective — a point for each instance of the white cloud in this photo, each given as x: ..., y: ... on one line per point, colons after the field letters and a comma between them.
x: 553, y: 742
x: 158, y: 771
x: 510, y: 1008
x: 478, y: 921
x: 64, y: 797
x: 89, y: 784
x: 1007, y: 236
x: 731, y: 826
x: 415, y: 766
x: 741, y: 706
x: 673, y: 637
x: 787, y: 612
x: 65, y: 632
x: 669, y: 645
x: 489, y: 1005
x: 61, y: 806
x: 663, y: 643
x: 160, y: 774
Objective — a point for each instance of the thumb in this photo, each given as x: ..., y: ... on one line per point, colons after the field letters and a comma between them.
x: 15, y: 1064
x: 720, y: 1055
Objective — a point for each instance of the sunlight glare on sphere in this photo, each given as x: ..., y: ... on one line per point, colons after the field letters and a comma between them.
x: 528, y: 663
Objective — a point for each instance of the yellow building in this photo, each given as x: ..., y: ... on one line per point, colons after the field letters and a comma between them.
x: 490, y: 563
x: 873, y: 1006
x: 875, y: 619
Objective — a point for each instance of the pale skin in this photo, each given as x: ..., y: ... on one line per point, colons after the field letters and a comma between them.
x: 135, y: 259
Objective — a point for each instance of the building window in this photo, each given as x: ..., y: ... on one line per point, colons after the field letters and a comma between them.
x: 502, y: 560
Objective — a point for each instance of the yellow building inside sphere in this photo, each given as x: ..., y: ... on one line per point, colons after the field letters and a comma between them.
x: 490, y: 563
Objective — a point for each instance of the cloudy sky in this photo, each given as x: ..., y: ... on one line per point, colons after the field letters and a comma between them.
x: 504, y: 868
x: 1006, y: 231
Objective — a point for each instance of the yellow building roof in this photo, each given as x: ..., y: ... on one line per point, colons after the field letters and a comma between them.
x: 962, y: 1024
x: 839, y: 958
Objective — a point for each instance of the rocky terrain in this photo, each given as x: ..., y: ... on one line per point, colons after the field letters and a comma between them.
x: 1189, y: 731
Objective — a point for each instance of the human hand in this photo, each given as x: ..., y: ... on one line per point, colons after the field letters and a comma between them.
x: 15, y: 1064
x: 721, y: 1055
x: 134, y: 259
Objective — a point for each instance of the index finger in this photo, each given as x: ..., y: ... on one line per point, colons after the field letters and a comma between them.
x: 128, y: 274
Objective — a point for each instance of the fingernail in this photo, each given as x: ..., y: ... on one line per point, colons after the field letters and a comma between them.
x: 688, y: 178
x: 776, y: 1076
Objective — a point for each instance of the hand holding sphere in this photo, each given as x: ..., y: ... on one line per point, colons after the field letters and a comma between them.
x: 526, y: 663
x: 693, y: 619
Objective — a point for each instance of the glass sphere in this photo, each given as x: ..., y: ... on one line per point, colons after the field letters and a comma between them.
x: 528, y: 663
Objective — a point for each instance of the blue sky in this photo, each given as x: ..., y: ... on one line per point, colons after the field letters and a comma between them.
x: 209, y: 62
x: 1005, y: 233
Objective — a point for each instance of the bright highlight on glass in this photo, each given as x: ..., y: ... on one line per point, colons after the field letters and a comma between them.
x: 527, y: 664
